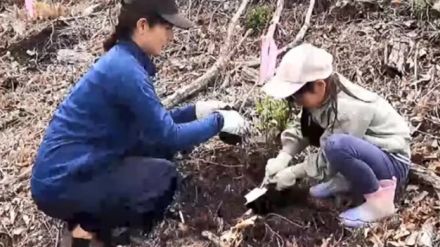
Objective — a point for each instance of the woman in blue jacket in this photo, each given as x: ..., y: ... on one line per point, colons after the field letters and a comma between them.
x: 104, y: 159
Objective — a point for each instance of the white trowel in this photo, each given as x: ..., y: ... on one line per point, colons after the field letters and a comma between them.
x: 256, y: 197
x: 255, y: 194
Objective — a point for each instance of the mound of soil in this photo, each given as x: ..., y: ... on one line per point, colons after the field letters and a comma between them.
x: 212, y: 198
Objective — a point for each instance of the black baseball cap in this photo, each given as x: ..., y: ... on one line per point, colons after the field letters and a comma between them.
x: 167, y: 9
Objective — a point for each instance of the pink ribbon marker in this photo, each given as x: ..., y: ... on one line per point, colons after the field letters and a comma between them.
x: 269, y: 52
x: 29, y: 5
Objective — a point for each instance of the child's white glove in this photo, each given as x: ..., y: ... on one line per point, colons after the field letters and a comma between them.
x: 205, y: 108
x: 277, y: 164
x: 287, y: 177
x: 233, y: 122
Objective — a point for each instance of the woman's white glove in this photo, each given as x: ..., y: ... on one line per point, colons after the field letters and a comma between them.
x: 205, y: 108
x: 277, y: 164
x: 233, y: 122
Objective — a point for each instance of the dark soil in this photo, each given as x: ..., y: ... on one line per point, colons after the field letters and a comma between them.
x: 213, y: 199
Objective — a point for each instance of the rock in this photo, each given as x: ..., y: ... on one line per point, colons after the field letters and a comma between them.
x: 73, y: 57
x: 420, y: 197
x: 411, y: 239
x: 397, y: 58
x: 18, y: 231
x: 19, y: 27
x: 426, y: 236
x: 436, y: 5
x: 91, y: 9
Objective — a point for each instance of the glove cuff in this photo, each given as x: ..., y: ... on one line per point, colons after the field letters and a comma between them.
x: 299, y: 170
x: 200, y: 112
x: 284, y: 157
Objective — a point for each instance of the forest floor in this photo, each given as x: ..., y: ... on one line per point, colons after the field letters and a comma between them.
x: 40, y: 60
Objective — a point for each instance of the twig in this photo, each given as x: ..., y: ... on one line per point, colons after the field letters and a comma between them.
x: 213, y: 13
x: 218, y: 164
x: 302, y: 32
x: 203, y: 81
x: 182, y: 219
x: 416, y: 54
x: 425, y: 176
x: 285, y: 219
x: 57, y: 238
x: 243, y: 103
x: 275, y: 18
x: 189, y: 7
x: 275, y: 233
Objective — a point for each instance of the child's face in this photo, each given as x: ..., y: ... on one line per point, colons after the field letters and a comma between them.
x: 313, y: 98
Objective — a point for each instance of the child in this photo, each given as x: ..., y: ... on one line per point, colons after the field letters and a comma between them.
x: 364, y: 144
x: 104, y: 161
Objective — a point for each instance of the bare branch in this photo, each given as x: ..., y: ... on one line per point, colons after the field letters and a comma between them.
x: 424, y: 176
x: 224, y: 57
x: 275, y: 18
x: 302, y: 32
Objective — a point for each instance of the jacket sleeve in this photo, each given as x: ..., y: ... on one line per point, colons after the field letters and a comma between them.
x: 292, y: 140
x: 137, y: 93
x: 184, y: 114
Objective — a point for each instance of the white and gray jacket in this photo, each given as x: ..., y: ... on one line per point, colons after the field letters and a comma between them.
x: 372, y: 118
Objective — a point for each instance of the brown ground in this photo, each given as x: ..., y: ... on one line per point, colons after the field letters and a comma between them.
x: 33, y: 80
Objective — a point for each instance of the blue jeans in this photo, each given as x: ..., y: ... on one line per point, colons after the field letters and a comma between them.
x: 362, y: 163
x: 133, y: 192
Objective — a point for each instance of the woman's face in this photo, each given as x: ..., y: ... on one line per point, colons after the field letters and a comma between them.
x: 152, y: 39
x: 313, y: 98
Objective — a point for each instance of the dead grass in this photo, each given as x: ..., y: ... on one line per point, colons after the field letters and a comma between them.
x: 33, y: 82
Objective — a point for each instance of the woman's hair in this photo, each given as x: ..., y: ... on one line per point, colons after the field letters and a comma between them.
x: 127, y: 21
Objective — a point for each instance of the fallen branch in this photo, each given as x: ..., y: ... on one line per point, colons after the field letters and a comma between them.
x: 298, y: 38
x: 302, y: 32
x: 275, y: 18
x: 424, y: 176
x: 224, y: 57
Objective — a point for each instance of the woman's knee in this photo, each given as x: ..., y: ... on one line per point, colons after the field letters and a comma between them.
x: 160, y: 172
x: 166, y: 166
x: 156, y: 164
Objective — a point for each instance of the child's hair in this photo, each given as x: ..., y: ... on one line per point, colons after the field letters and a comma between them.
x: 127, y: 20
x: 334, y: 86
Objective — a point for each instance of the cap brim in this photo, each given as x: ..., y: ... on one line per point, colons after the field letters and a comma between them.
x: 281, y: 89
x: 178, y: 20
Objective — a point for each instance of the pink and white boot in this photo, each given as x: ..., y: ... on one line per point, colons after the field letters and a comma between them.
x: 378, y: 205
x: 337, y: 184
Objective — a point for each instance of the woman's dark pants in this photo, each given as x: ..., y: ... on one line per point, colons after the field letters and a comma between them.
x: 134, y: 193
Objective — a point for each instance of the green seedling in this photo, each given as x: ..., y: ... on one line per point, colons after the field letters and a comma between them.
x: 258, y: 18
x: 274, y: 116
x: 420, y: 8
